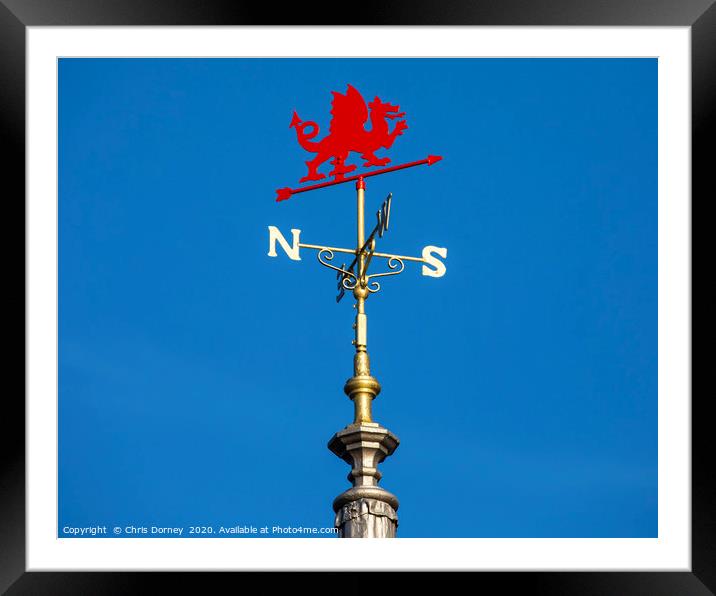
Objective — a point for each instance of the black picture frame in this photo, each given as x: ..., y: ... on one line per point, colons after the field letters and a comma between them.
x: 16, y: 15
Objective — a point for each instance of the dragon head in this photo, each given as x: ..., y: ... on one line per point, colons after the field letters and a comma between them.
x: 385, y: 109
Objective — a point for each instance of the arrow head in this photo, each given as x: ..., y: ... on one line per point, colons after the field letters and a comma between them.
x: 283, y: 193
x: 433, y: 159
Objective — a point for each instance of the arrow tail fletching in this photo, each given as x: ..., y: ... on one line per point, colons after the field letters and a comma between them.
x: 283, y: 193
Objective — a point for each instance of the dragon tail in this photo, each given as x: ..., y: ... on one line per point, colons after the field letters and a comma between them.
x: 304, y: 138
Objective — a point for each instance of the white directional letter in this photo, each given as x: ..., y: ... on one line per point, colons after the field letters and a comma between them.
x: 291, y: 251
x: 439, y: 270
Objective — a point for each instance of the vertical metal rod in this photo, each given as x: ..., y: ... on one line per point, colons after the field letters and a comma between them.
x: 360, y: 192
x: 362, y: 388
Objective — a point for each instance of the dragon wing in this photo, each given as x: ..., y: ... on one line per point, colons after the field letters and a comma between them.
x: 349, y: 111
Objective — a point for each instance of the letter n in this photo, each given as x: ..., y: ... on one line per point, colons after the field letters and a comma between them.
x: 291, y: 251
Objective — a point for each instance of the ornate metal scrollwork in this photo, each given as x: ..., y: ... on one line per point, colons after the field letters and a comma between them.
x: 393, y: 263
x: 349, y: 279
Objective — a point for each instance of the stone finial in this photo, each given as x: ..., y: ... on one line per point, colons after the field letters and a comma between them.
x: 366, y: 510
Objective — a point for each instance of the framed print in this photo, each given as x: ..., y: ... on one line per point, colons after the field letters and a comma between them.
x: 506, y: 199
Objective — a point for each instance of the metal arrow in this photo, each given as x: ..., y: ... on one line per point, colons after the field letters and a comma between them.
x: 285, y: 193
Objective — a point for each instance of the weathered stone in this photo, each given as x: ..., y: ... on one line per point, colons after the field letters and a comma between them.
x: 366, y: 518
x: 366, y: 510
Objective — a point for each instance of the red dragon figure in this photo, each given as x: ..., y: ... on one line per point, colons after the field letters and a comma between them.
x: 348, y: 133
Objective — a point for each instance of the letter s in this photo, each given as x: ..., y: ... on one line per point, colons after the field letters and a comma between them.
x: 439, y: 266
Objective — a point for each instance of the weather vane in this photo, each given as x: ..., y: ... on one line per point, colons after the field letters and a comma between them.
x: 365, y: 510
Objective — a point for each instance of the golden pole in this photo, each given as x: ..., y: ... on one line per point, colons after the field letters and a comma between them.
x: 360, y: 192
x: 362, y: 388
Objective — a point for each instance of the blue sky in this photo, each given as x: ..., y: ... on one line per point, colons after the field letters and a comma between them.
x: 200, y: 380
